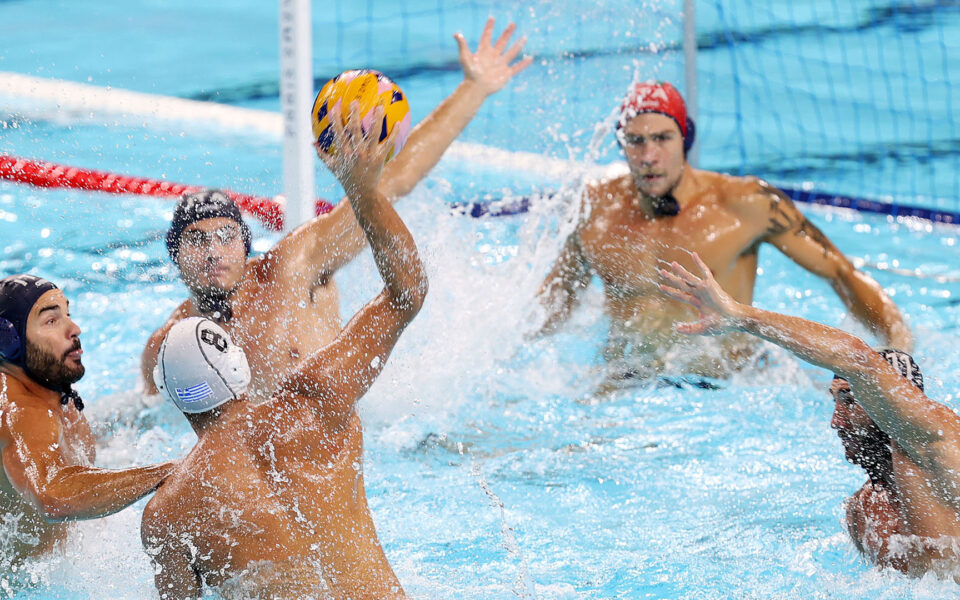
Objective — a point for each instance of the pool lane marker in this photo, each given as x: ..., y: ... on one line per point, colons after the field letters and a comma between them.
x: 66, y: 101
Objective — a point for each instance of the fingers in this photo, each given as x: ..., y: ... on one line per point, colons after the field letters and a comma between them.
x: 462, y: 46
x: 515, y: 50
x: 487, y: 34
x: 387, y: 145
x: 676, y: 293
x: 704, y: 269
x: 673, y: 279
x: 523, y: 64
x: 691, y: 328
x: 371, y: 137
x: 687, y: 277
x: 505, y: 37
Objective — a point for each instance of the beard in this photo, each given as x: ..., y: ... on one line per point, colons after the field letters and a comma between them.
x: 50, y: 370
x: 874, y: 456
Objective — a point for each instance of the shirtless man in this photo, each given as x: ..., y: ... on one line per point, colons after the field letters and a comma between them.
x: 48, y: 451
x: 907, y: 514
x: 270, y: 503
x: 661, y: 209
x: 283, y: 306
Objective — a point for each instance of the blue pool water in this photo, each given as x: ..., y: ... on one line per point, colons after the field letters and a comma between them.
x: 487, y: 475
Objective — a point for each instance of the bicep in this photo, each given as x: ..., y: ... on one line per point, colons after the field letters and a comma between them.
x: 800, y: 240
x: 320, y: 246
x: 148, y: 361
x: 31, y: 458
x: 911, y: 419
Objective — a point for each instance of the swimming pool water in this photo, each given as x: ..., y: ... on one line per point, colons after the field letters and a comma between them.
x: 488, y: 475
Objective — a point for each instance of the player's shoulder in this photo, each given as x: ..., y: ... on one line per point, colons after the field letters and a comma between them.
x: 23, y: 413
x: 159, y: 521
x: 735, y: 189
x: 747, y: 194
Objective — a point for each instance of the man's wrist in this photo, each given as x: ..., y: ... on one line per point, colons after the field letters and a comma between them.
x: 742, y: 316
x: 472, y: 88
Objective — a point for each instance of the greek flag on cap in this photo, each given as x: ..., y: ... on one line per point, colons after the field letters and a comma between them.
x: 199, y: 367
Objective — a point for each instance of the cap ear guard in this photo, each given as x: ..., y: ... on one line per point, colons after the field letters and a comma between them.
x: 691, y: 135
x: 10, y: 347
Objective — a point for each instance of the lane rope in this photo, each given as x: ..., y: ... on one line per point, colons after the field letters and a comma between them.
x: 268, y: 211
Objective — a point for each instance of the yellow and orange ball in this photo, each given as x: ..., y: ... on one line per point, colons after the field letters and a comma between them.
x: 368, y: 88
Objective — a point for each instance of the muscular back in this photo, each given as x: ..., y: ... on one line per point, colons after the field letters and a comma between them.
x: 276, y: 490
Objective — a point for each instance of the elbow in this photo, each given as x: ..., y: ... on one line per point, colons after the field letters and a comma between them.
x: 410, y: 300
x: 418, y: 293
x: 52, y: 509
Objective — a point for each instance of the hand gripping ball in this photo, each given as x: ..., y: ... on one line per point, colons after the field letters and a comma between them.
x: 368, y: 88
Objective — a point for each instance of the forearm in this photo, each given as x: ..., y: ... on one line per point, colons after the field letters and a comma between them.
x: 394, y: 250
x: 430, y: 139
x: 558, y: 301
x: 87, y: 493
x: 818, y: 344
x: 867, y: 302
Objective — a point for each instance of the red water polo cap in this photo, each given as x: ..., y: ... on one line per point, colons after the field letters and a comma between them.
x: 656, y: 97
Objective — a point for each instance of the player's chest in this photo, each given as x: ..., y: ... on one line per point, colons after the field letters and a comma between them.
x: 625, y: 244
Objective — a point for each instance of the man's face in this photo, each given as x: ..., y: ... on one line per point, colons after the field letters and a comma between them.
x: 864, y: 443
x: 212, y: 256
x: 52, y: 346
x: 653, y: 146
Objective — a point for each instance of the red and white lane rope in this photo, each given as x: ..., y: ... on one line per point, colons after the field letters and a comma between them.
x: 51, y: 175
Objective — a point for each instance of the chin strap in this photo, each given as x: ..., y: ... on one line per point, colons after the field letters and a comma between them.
x: 217, y: 309
x: 666, y: 206
x: 71, y: 394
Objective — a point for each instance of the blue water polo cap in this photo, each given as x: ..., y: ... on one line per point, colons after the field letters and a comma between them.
x: 18, y: 294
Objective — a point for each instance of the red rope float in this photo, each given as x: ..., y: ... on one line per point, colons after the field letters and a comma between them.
x: 51, y: 175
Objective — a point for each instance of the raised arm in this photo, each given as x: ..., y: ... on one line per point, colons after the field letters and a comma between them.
x: 37, y: 469
x: 916, y: 423
x: 790, y: 231
x: 325, y: 244
x: 339, y: 374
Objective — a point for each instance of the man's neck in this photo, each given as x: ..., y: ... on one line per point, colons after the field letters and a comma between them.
x: 217, y: 418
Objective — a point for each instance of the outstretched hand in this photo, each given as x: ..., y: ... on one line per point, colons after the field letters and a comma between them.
x: 358, y: 157
x: 718, y: 311
x: 489, y: 67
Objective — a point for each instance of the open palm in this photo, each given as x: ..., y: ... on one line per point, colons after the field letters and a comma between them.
x: 489, y: 67
x: 717, y: 310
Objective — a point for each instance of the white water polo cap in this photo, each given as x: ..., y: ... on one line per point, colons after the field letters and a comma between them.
x: 199, y: 367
